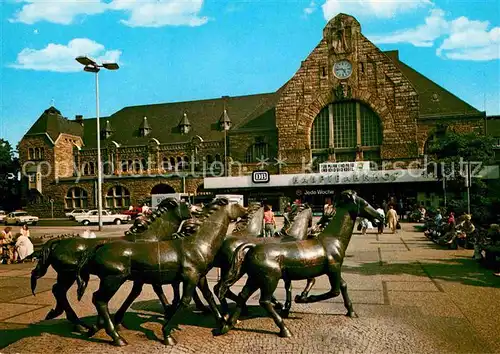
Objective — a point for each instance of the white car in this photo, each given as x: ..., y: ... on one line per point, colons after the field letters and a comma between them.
x: 76, y: 212
x: 2, y: 215
x: 19, y: 218
x: 92, y: 217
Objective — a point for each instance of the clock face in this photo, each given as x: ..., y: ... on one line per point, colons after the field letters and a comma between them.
x: 342, y: 69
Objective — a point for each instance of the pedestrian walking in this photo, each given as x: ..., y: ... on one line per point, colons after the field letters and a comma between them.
x: 392, y: 218
x: 380, y: 226
x: 269, y: 221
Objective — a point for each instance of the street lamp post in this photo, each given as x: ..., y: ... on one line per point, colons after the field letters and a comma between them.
x: 93, y: 67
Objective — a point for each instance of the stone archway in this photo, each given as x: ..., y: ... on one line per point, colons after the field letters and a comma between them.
x: 162, y: 188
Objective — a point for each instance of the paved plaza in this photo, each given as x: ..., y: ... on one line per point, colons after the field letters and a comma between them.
x: 411, y: 297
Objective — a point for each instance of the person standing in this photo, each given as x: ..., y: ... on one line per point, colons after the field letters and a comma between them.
x: 328, y: 209
x: 7, y: 240
x: 401, y: 208
x: 24, y: 246
x: 392, y: 218
x: 380, y: 228
x: 269, y: 222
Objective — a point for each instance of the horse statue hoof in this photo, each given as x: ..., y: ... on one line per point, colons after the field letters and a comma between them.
x: 299, y: 299
x: 51, y: 315
x: 79, y: 328
x: 278, y: 306
x: 352, y: 314
x: 92, y: 331
x: 120, y: 342
x: 169, y: 340
x: 285, y: 314
x: 120, y: 327
x: 285, y: 333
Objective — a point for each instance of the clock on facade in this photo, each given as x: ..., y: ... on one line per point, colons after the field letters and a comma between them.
x: 342, y: 69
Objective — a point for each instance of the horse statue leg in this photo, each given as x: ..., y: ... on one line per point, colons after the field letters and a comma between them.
x: 334, y: 278
x: 60, y: 290
x: 247, y: 291
x: 188, y: 288
x: 107, y: 289
x: 303, y: 296
x: 266, y: 293
x: 209, y: 296
x: 288, y: 303
x: 134, y: 294
x: 347, y: 300
x: 200, y: 306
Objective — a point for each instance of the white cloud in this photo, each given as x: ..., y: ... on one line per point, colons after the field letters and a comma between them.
x: 57, y: 11
x: 142, y: 13
x: 376, y: 8
x: 61, y: 58
x: 471, y: 40
x: 311, y: 8
x: 158, y: 13
x: 464, y: 39
x: 422, y: 36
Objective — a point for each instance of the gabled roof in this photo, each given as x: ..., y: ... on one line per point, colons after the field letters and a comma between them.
x: 53, y: 123
x: 204, y: 115
x: 434, y: 99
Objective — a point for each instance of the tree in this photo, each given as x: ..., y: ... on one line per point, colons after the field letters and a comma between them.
x: 453, y: 152
x: 9, y: 183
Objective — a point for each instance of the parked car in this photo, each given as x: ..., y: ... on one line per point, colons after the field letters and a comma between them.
x: 2, y: 215
x: 76, y: 212
x: 19, y: 218
x: 92, y: 217
x: 135, y: 212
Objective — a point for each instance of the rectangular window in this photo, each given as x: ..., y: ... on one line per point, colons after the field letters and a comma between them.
x: 344, y: 116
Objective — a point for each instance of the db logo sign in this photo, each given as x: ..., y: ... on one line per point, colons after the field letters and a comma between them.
x: 260, y: 176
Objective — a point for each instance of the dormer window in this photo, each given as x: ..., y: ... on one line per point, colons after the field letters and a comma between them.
x: 108, y: 130
x: 144, y: 129
x: 184, y: 124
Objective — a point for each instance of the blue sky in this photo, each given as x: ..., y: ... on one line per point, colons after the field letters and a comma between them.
x: 187, y: 50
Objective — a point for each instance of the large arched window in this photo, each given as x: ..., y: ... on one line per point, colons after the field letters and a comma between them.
x: 118, y: 197
x: 345, y: 129
x: 76, y: 198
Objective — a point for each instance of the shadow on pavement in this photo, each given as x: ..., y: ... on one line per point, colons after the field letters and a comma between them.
x: 464, y: 270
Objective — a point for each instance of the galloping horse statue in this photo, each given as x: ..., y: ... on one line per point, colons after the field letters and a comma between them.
x: 185, y: 260
x: 300, y: 222
x: 267, y: 263
x: 63, y: 254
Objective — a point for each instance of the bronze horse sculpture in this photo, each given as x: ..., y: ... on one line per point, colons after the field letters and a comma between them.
x: 63, y: 254
x: 185, y: 260
x: 247, y: 225
x: 300, y: 222
x: 266, y: 264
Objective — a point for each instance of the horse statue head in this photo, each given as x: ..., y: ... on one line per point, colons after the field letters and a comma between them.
x: 357, y: 206
x: 251, y: 224
x: 168, y: 208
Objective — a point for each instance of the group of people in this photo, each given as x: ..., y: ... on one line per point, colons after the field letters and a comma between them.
x: 447, y: 231
x: 391, y: 220
x: 16, y: 248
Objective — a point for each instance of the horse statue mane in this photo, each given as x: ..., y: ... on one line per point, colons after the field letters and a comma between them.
x: 242, y: 224
x: 293, y: 214
x: 142, y: 223
x: 191, y: 226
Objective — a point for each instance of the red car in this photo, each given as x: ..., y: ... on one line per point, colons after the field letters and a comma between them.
x: 134, y: 212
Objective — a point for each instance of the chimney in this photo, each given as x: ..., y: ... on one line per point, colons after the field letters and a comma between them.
x: 79, y: 119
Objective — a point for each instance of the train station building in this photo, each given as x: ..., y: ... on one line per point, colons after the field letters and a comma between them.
x: 359, y: 113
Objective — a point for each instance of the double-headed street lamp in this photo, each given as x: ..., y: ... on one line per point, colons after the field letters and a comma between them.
x: 91, y: 66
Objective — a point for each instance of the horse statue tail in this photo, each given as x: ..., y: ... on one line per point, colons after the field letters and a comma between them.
x: 83, y: 270
x: 43, y: 262
x: 234, y: 273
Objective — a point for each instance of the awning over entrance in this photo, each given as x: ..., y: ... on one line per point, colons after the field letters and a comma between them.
x: 318, y: 179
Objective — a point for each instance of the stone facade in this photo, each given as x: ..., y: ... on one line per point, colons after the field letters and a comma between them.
x: 377, y: 82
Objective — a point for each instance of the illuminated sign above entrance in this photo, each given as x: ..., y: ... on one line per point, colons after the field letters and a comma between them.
x: 333, y: 167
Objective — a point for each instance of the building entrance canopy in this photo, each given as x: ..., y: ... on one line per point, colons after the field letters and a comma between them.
x: 318, y: 179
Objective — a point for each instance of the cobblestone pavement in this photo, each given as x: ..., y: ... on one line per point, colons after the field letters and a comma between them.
x: 410, y: 295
